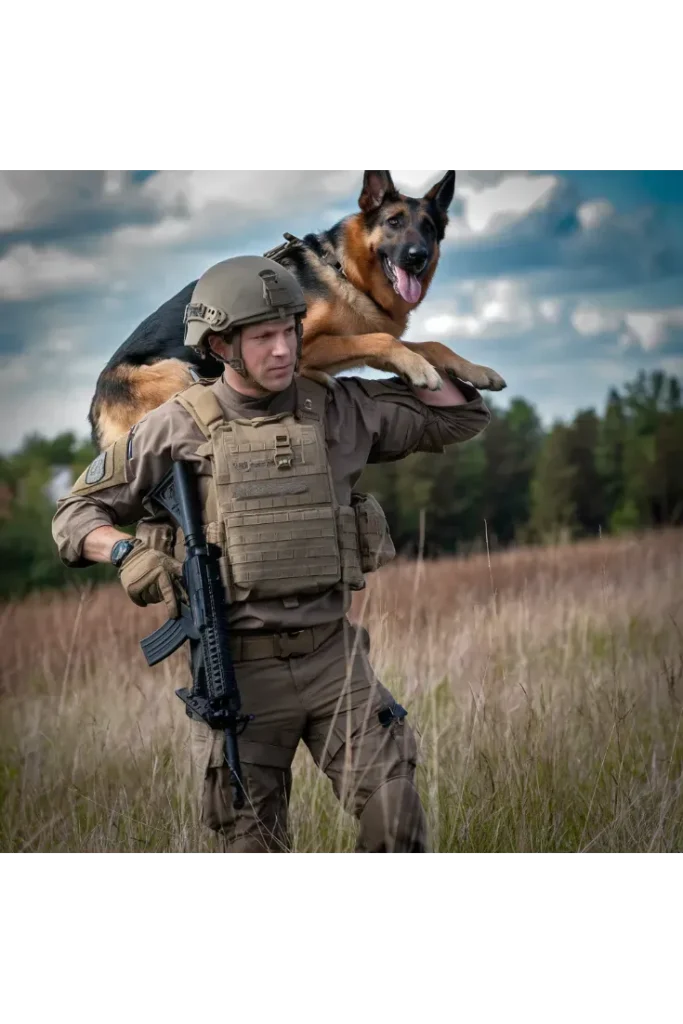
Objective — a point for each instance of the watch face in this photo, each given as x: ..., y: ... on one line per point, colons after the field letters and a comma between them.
x: 119, y: 551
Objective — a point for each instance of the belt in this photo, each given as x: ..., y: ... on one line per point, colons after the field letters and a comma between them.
x: 281, y: 645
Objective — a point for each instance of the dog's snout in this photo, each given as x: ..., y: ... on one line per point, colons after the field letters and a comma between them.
x: 416, y: 258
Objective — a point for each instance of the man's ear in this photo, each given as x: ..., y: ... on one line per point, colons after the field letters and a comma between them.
x: 218, y: 346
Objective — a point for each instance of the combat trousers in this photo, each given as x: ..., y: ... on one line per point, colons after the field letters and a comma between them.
x: 331, y: 699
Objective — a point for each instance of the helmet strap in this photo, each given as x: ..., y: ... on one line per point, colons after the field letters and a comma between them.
x: 237, y: 363
x: 299, y: 342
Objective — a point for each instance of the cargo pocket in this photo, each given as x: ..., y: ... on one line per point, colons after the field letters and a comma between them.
x: 212, y: 777
x: 374, y: 539
x: 400, y: 733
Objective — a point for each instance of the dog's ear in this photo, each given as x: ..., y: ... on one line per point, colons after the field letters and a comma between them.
x: 377, y: 186
x: 442, y: 192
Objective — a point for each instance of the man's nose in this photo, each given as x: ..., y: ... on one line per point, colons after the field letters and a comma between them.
x: 281, y: 345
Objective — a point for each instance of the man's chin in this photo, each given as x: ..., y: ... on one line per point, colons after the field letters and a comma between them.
x: 278, y: 381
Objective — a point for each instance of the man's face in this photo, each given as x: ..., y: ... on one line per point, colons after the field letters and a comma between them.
x: 268, y: 354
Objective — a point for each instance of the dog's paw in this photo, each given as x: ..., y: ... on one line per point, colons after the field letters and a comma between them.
x: 417, y: 372
x: 484, y: 378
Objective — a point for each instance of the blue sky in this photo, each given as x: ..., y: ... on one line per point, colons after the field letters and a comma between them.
x: 567, y: 282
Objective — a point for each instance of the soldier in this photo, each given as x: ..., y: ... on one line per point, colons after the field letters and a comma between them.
x: 303, y: 669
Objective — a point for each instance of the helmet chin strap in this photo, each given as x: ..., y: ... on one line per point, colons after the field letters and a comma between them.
x: 237, y: 362
x: 299, y: 342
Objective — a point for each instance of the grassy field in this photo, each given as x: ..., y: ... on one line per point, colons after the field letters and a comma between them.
x: 546, y: 686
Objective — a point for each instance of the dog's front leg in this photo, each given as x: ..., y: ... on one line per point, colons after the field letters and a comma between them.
x: 445, y: 358
x: 331, y: 353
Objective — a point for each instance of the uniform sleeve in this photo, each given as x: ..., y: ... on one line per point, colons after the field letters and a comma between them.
x: 112, y: 490
x: 399, y: 423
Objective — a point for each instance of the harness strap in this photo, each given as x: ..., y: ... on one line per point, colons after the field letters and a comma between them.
x: 202, y: 405
x: 292, y: 242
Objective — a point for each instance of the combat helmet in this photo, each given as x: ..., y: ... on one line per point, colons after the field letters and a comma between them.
x: 241, y: 291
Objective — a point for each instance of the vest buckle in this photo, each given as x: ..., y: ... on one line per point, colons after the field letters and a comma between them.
x: 284, y: 456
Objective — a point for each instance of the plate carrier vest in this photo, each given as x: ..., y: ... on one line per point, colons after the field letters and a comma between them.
x: 271, y: 505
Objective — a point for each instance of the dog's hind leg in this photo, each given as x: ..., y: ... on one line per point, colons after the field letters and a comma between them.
x: 126, y: 393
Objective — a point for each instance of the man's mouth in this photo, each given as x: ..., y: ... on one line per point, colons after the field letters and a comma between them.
x: 405, y: 284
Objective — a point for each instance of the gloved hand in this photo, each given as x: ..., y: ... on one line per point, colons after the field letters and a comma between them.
x: 148, y: 576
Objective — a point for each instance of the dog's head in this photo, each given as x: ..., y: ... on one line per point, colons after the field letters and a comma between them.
x: 404, y: 233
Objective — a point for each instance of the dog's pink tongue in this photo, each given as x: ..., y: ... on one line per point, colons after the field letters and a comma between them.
x: 409, y: 288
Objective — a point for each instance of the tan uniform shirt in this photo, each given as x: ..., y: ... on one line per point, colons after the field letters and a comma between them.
x: 365, y: 421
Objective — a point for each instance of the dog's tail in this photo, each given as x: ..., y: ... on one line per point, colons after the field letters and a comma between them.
x: 125, y: 393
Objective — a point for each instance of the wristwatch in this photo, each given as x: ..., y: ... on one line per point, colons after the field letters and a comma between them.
x: 120, y: 550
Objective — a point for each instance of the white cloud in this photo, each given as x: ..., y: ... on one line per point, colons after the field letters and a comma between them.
x: 12, y: 203
x: 651, y: 328
x: 551, y: 310
x: 647, y: 328
x: 256, y: 192
x: 484, y: 309
x: 503, y: 301
x: 27, y: 271
x: 453, y: 325
x: 590, y: 320
x: 170, y: 230
x: 30, y: 199
x: 194, y: 210
x: 491, y: 208
x: 594, y: 212
x: 415, y: 183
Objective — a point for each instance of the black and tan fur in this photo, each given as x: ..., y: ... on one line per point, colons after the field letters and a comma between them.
x: 355, y: 316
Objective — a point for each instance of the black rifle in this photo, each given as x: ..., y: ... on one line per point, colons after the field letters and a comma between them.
x: 214, y: 697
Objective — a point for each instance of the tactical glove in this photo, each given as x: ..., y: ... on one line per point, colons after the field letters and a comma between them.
x: 149, y: 576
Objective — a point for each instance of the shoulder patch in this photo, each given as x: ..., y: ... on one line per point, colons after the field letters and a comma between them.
x: 96, y: 469
x: 108, y: 469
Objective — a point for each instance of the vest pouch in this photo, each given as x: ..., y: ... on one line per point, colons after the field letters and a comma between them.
x: 374, y: 539
x: 351, y: 572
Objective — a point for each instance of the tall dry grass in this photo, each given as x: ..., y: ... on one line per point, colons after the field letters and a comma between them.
x: 546, y: 686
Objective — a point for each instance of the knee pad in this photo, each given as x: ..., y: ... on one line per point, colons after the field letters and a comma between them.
x: 393, y: 820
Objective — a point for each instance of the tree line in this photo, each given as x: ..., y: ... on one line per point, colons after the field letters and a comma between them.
x: 517, y: 483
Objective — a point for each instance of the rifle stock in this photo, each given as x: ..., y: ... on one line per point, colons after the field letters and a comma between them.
x: 215, y: 696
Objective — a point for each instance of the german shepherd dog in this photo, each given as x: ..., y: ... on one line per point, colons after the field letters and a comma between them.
x: 361, y: 279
